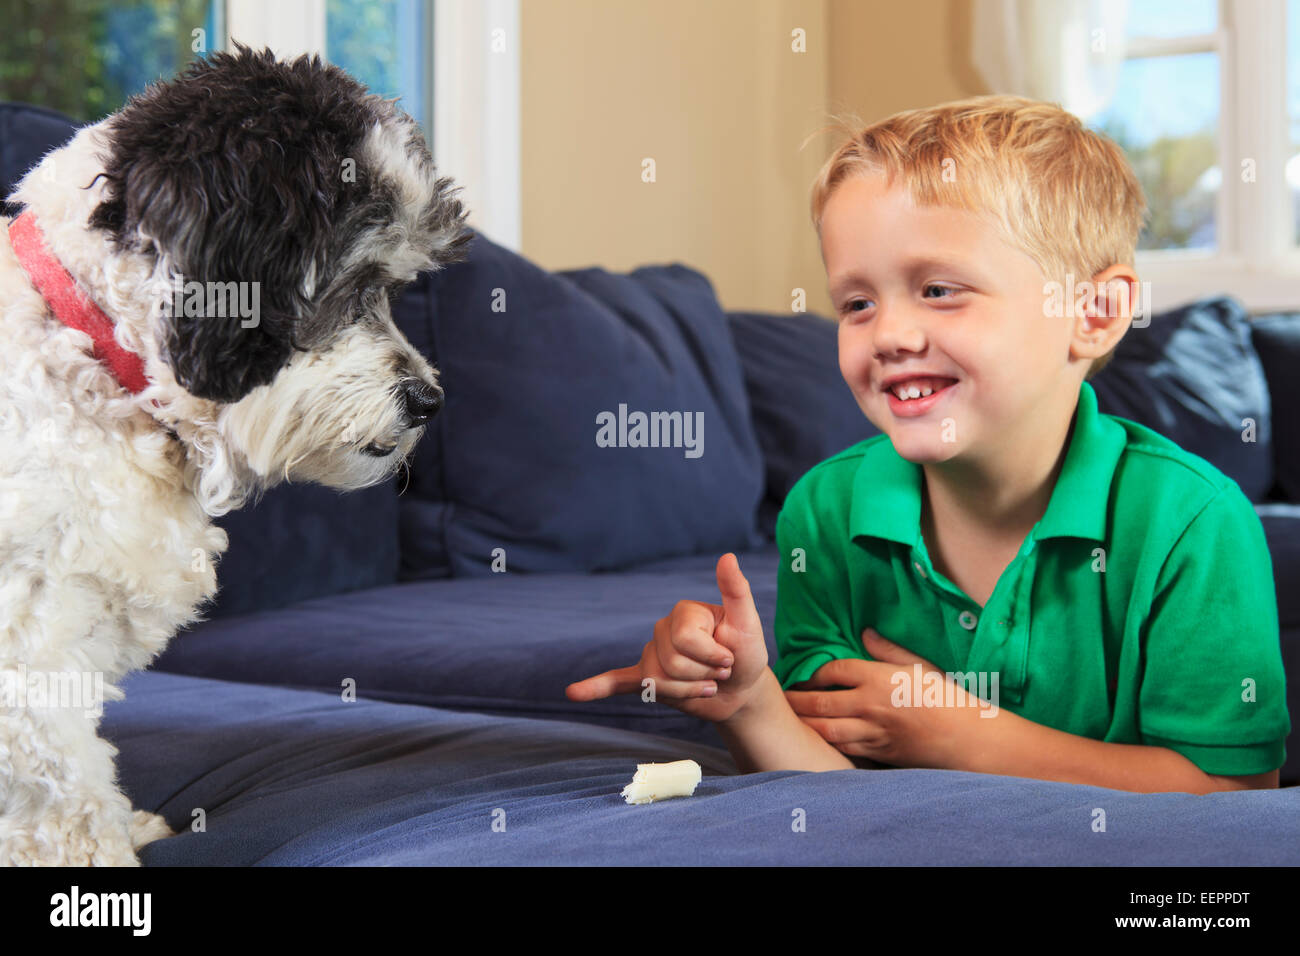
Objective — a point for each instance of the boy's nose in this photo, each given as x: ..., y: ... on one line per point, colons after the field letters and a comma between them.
x: 897, y: 329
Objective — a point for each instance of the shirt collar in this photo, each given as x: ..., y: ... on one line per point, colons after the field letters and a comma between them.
x: 887, y: 487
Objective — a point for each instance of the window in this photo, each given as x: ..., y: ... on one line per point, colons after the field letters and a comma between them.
x: 1165, y: 115
x: 382, y: 43
x: 1208, y: 109
x: 84, y: 58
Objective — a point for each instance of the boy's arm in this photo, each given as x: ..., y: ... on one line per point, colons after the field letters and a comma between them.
x: 1012, y: 745
x: 766, y: 734
x: 861, y: 720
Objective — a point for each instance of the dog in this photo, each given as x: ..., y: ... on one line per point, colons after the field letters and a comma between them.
x: 134, y: 410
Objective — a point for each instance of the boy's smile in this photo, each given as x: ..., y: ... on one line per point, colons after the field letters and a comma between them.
x: 932, y: 298
x: 910, y: 397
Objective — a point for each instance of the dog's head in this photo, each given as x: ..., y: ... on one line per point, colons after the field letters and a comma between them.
x: 285, y: 206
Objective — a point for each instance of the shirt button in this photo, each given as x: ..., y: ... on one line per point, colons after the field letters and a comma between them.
x: 919, y: 570
x: 968, y: 620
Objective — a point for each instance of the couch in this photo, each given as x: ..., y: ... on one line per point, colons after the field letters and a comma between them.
x: 380, y: 680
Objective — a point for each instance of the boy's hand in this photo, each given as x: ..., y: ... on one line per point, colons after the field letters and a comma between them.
x: 705, y: 659
x: 862, y: 721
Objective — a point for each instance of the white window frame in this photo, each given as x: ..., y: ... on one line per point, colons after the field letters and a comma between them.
x: 1257, y: 260
x: 475, y: 97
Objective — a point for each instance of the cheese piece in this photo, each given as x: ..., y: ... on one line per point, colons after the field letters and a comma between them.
x: 661, y: 781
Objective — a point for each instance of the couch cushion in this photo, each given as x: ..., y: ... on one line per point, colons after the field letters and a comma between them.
x: 1193, y: 376
x: 802, y: 409
x: 1277, y: 342
x: 306, y: 541
x: 504, y: 643
x: 297, y: 778
x: 1281, y: 523
x: 1282, y: 531
x: 535, y: 364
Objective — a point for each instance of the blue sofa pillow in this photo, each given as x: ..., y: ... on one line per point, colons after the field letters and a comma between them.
x: 803, y: 410
x: 1277, y: 342
x: 1193, y: 376
x: 306, y: 541
x: 541, y: 449
x: 26, y: 134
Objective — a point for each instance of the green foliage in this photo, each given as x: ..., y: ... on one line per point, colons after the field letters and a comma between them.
x: 86, y: 57
x: 1168, y: 169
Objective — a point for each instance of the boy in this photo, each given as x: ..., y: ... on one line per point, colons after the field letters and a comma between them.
x: 1114, y: 592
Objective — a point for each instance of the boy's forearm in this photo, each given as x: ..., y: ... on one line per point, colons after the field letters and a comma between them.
x: 768, y: 735
x: 1012, y: 745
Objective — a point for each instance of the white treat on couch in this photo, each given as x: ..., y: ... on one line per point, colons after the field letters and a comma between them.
x: 662, y: 781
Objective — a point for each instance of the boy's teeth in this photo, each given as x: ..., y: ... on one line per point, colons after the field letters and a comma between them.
x: 913, y: 390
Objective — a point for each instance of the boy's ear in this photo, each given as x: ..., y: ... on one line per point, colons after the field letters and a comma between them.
x: 1108, y: 313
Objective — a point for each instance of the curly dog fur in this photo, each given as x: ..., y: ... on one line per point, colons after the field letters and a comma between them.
x: 289, y: 179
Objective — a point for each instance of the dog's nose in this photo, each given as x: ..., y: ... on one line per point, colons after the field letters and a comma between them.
x: 422, y: 401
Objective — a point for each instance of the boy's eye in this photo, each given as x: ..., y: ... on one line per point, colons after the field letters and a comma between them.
x: 931, y: 292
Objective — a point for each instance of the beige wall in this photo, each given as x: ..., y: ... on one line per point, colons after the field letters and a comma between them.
x: 712, y: 91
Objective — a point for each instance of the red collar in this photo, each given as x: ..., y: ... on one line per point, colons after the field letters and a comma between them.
x: 70, y: 305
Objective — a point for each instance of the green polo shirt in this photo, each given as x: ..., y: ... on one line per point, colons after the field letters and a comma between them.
x: 1174, y: 644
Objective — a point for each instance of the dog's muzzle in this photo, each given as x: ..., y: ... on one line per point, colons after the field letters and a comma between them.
x: 422, y: 401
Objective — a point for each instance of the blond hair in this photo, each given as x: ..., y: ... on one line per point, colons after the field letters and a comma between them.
x: 1061, y: 193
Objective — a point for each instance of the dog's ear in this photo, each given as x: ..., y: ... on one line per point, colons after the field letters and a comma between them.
x: 234, y: 171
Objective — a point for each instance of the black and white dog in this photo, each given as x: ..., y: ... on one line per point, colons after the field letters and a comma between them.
x: 194, y: 306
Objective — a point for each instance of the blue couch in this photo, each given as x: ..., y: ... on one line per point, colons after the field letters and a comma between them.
x: 381, y: 679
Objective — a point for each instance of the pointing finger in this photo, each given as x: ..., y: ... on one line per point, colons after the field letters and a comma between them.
x: 623, y: 680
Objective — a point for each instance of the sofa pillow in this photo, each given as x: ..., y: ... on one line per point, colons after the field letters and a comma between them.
x: 1277, y: 342
x: 1193, y: 376
x: 306, y: 541
x: 26, y: 134
x: 592, y: 421
x: 802, y: 408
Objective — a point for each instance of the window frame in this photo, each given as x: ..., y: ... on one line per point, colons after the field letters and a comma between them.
x: 1257, y: 259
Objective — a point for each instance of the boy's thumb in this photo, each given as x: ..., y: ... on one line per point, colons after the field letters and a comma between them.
x: 737, y: 599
